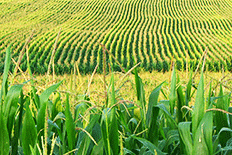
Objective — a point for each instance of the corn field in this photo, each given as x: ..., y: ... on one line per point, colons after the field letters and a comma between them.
x: 35, y: 123
x: 153, y: 32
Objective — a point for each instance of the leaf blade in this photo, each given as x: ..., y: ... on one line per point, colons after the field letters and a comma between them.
x: 29, y: 133
x: 198, y: 110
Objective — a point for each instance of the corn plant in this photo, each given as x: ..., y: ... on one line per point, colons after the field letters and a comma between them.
x: 32, y: 123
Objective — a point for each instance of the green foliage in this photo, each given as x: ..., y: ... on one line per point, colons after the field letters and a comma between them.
x: 29, y: 133
x: 117, y: 127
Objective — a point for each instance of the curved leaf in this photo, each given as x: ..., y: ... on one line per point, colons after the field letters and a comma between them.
x: 149, y: 145
x: 172, y: 122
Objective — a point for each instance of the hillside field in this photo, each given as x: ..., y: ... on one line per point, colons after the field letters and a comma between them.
x: 153, y: 32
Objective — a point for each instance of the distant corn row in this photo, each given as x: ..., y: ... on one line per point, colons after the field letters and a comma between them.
x: 153, y: 32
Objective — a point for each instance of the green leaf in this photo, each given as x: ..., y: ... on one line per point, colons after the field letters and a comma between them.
x: 171, y: 121
x: 18, y: 126
x: 83, y: 137
x: 153, y: 100
x: 216, y: 141
x: 11, y: 106
x: 126, y: 151
x: 172, y: 136
x: 180, y: 102
x: 188, y: 89
x: 221, y: 118
x: 114, y: 137
x: 137, y: 83
x: 45, y: 95
x: 199, y: 142
x: 150, y: 146
x: 208, y: 103
x: 70, y: 126
x: 113, y: 130
x: 198, y: 110
x: 140, y: 96
x: 41, y: 121
x: 113, y: 101
x: 4, y: 136
x: 29, y: 133
x: 208, y: 129
x: 105, y: 131
x: 59, y: 116
x: 172, y: 95
x: 98, y: 149
x: 153, y: 134
x: 203, y: 137
x: 5, y: 74
x: 56, y: 106
x: 97, y: 136
x: 122, y: 119
x: 230, y: 117
x: 184, y: 132
x: 41, y: 112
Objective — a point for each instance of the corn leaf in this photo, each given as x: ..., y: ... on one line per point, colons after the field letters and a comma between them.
x: 180, y: 102
x: 208, y: 130
x: 112, y: 92
x: 172, y: 95
x: 45, y: 95
x: 140, y: 96
x: 98, y: 149
x: 70, y: 126
x: 97, y: 136
x: 105, y: 131
x: 170, y: 120
x: 5, y: 74
x: 199, y: 142
x: 29, y: 133
x: 153, y: 134
x: 216, y: 141
x: 41, y: 120
x: 114, y: 136
x: 230, y: 116
x: 137, y: 83
x: 184, y: 132
x: 11, y: 106
x: 172, y: 136
x: 221, y: 118
x: 126, y: 151
x: 4, y: 136
x: 153, y: 100
x: 56, y: 106
x: 198, y: 110
x: 82, y: 135
x: 41, y: 112
x: 18, y: 126
x: 203, y: 137
x: 188, y: 89
x: 150, y: 146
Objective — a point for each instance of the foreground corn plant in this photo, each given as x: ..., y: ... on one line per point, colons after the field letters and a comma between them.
x: 34, y: 124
